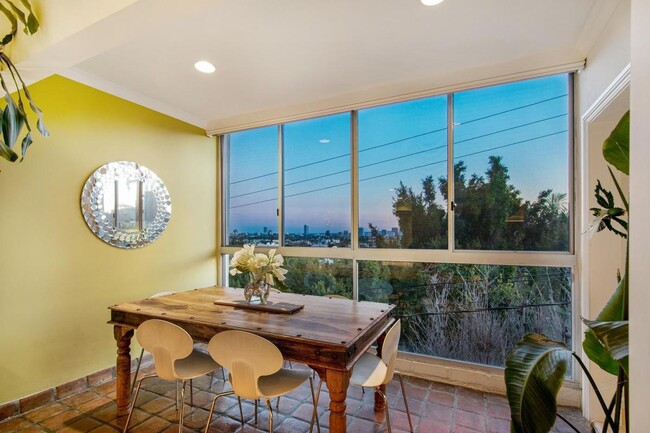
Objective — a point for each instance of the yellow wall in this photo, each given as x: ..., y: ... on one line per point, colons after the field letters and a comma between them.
x: 56, y: 277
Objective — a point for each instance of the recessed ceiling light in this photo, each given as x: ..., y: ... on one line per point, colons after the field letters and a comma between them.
x: 431, y: 2
x: 205, y: 67
x: 323, y: 140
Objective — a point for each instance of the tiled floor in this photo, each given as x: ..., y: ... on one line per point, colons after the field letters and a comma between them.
x: 435, y: 408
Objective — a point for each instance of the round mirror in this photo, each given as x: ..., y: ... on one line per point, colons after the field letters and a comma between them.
x: 125, y: 204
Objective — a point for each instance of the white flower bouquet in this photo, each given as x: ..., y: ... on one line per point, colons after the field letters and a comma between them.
x: 263, y: 269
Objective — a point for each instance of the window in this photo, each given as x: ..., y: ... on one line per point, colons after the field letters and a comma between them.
x: 456, y: 208
x: 251, y: 187
x: 317, y: 205
x: 402, y: 159
x: 511, y: 166
x: 473, y: 313
x: 310, y: 276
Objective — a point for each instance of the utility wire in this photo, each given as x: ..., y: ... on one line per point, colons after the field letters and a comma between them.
x: 480, y: 310
x: 397, y: 157
x: 403, y: 170
x: 402, y: 139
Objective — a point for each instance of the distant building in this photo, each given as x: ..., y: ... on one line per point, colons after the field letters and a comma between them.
x: 346, y: 234
x: 266, y: 229
x: 360, y: 232
x: 327, y: 233
x: 395, y: 231
x: 383, y: 232
x: 305, y: 230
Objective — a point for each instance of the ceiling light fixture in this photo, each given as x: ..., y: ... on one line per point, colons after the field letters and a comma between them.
x: 431, y: 2
x: 205, y: 67
x: 323, y: 140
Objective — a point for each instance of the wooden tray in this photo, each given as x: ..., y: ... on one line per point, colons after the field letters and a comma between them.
x: 269, y: 307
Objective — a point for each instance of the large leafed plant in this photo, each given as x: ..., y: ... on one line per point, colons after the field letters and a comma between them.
x: 536, y: 367
x: 13, y: 115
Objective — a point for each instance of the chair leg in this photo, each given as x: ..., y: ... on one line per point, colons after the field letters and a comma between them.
x: 268, y: 404
x: 241, y: 412
x: 277, y: 404
x: 406, y: 404
x: 137, y: 369
x: 377, y: 390
x: 315, y: 413
x: 315, y: 403
x: 137, y: 391
x: 214, y: 401
x: 255, y: 411
x: 191, y: 393
x: 180, y: 414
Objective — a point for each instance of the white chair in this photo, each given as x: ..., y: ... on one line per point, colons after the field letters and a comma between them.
x: 137, y: 368
x: 174, y: 356
x: 255, y: 366
x: 374, y: 371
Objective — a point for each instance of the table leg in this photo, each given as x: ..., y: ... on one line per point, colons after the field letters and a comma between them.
x: 337, y: 383
x: 123, y: 368
x: 380, y: 404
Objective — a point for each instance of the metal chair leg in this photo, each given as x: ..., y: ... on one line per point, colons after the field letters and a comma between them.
x: 314, y: 415
x: 255, y: 411
x: 406, y: 404
x: 180, y: 414
x: 315, y: 403
x: 214, y: 401
x: 137, y: 391
x: 137, y: 370
x: 241, y: 412
x: 268, y: 404
x: 191, y: 393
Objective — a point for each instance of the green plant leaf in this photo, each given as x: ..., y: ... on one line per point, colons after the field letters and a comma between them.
x: 534, y: 374
x: 32, y: 23
x: 616, y: 149
x: 614, y: 338
x: 7, y: 153
x: 614, y: 311
x: 12, y: 122
x: 14, y: 25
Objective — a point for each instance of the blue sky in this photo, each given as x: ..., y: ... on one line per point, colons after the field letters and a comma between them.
x: 524, y: 122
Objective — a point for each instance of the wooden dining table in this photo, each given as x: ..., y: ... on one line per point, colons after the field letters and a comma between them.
x: 327, y: 334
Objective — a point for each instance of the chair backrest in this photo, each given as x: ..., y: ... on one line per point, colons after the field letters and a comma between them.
x: 167, y: 343
x: 247, y: 357
x: 389, y: 349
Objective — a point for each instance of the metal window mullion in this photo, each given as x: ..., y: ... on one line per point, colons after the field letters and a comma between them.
x: 280, y: 210
x: 451, y: 233
x: 223, y: 189
x: 354, y: 181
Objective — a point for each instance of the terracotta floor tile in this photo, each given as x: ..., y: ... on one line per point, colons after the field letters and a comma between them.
x: 14, y: 424
x: 45, y: 412
x: 435, y: 408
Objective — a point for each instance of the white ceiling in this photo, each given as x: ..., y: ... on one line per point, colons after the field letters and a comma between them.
x: 274, y: 54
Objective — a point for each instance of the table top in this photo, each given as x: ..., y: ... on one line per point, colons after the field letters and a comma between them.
x: 327, y: 332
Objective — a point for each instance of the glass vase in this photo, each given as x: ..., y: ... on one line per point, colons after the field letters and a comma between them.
x: 256, y: 291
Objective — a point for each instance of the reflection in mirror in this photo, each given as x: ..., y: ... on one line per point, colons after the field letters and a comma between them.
x: 125, y: 204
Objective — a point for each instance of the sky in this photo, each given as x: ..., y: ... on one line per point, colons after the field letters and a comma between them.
x: 524, y: 122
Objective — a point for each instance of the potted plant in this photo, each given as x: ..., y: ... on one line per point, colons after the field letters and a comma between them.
x: 13, y: 115
x: 536, y: 367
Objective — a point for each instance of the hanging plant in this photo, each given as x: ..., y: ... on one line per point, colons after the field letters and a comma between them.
x: 13, y: 115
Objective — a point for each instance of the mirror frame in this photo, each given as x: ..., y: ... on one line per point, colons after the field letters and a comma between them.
x: 105, y: 228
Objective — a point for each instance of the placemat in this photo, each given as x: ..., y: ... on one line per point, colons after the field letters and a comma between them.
x: 269, y: 307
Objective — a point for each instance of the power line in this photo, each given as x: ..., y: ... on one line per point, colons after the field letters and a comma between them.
x: 404, y: 170
x: 480, y: 310
x: 401, y: 156
x: 403, y: 139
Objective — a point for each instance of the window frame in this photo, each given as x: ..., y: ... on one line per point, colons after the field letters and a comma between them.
x: 354, y: 253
